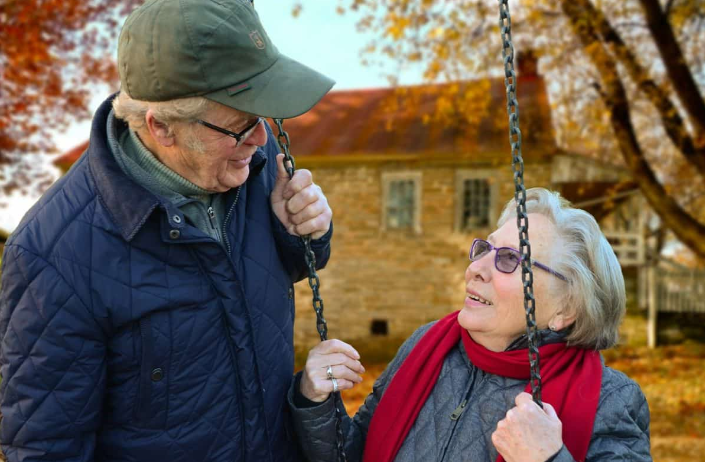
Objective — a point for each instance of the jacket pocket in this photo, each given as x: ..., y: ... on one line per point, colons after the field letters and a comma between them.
x: 150, y: 402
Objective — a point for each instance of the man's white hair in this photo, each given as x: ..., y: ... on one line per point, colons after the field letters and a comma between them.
x: 178, y: 111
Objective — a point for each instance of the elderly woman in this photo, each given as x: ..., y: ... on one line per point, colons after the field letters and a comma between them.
x: 457, y: 389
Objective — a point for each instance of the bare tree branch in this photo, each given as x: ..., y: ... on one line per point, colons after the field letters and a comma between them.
x: 688, y: 230
x: 673, y: 123
x: 676, y: 65
x: 669, y: 5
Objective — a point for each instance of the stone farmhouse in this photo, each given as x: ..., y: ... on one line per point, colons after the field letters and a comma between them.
x: 409, y: 195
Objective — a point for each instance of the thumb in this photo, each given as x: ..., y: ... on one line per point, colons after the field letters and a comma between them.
x: 282, y: 179
x: 549, y: 410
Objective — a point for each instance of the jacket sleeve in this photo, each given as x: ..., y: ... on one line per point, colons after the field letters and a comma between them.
x: 52, y: 362
x: 291, y: 248
x: 315, y: 426
x: 292, y: 251
x: 621, y: 430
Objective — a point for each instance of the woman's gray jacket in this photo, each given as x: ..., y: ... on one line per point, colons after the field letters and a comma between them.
x: 445, y: 431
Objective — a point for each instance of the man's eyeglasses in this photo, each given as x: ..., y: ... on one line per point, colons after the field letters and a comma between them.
x: 507, y: 259
x: 239, y: 137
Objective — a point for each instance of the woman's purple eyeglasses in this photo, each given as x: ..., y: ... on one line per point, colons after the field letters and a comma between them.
x: 506, y: 259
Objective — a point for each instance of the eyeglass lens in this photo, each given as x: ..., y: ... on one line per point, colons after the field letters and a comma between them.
x: 249, y: 130
x: 505, y: 261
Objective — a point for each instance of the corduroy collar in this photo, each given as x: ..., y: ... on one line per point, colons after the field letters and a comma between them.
x: 128, y: 203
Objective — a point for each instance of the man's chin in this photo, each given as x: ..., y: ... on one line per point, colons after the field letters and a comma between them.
x: 234, y: 177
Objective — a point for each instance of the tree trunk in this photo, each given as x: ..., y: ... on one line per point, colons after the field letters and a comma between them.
x: 686, y: 228
x: 670, y: 116
x: 676, y: 66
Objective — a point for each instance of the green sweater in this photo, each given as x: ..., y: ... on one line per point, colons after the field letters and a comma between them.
x: 203, y: 209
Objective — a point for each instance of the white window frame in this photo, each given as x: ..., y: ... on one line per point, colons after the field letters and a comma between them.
x: 387, y: 179
x: 492, y: 177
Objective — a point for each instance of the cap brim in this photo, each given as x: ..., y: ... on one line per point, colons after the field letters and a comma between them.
x: 286, y: 89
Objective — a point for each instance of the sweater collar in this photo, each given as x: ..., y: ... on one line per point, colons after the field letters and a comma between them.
x: 128, y: 203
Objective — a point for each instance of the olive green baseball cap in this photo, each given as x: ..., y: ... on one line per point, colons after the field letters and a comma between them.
x: 170, y: 49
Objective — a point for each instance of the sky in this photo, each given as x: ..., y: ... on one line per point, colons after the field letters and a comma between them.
x: 319, y: 37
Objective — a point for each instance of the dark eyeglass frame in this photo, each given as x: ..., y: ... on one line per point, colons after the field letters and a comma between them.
x: 239, y: 137
x: 497, y: 257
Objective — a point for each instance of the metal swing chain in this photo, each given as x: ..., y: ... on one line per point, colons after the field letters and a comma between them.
x: 314, y: 282
x: 527, y: 276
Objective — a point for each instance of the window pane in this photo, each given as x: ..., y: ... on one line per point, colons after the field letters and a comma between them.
x: 476, y: 204
x: 400, y: 205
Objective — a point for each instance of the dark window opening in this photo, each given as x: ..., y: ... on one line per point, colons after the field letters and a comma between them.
x: 379, y: 327
x: 476, y: 204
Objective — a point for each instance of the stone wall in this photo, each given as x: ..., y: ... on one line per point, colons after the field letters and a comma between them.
x: 401, y: 277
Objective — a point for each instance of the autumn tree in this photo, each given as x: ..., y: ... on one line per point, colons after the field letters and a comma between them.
x: 626, y: 77
x: 52, y: 53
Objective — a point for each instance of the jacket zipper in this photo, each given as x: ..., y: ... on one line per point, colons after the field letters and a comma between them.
x: 227, y: 217
x: 211, y: 215
x: 238, y: 385
x: 229, y: 250
x: 455, y: 415
x: 458, y: 410
x: 233, y: 356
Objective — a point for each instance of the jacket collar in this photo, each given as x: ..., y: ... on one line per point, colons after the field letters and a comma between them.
x: 128, y: 203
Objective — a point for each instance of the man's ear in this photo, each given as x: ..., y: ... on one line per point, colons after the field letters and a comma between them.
x: 159, y: 130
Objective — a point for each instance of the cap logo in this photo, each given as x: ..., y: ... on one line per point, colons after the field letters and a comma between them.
x: 257, y: 39
x: 235, y: 89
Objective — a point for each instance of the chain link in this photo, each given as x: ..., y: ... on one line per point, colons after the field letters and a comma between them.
x: 314, y: 282
x: 527, y: 276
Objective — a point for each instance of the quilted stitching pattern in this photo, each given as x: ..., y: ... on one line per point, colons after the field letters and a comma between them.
x: 621, y: 430
x: 74, y: 292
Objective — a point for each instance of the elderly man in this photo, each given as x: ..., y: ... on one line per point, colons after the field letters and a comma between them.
x: 147, y: 307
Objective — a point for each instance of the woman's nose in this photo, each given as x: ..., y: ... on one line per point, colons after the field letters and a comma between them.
x: 478, y: 270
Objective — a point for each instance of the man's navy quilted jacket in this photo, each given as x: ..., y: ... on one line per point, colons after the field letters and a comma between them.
x: 128, y: 334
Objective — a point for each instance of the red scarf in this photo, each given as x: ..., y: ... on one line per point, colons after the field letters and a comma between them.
x: 571, y: 381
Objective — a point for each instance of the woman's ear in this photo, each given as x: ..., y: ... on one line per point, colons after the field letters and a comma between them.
x: 159, y: 130
x: 561, y: 319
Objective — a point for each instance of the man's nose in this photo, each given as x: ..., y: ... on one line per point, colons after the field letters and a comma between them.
x: 258, y: 136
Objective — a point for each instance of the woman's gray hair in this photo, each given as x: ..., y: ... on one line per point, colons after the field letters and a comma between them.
x: 595, y: 293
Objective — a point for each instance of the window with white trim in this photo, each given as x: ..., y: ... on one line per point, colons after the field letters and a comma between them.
x: 476, y: 195
x: 401, y: 200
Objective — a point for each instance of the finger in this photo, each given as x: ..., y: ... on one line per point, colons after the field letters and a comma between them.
x: 320, y: 364
x: 345, y: 372
x: 302, y: 178
x: 312, y: 210
x: 331, y: 346
x: 315, y: 227
x: 550, y: 410
x: 498, y: 441
x: 338, y: 346
x: 282, y: 174
x: 303, y: 198
x: 522, y: 398
x: 343, y: 384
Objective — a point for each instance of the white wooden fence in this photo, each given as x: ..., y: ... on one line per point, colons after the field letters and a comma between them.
x: 629, y: 247
x: 673, y: 290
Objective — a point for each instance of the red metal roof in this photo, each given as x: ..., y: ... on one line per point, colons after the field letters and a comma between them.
x: 397, y: 121
x: 382, y: 121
